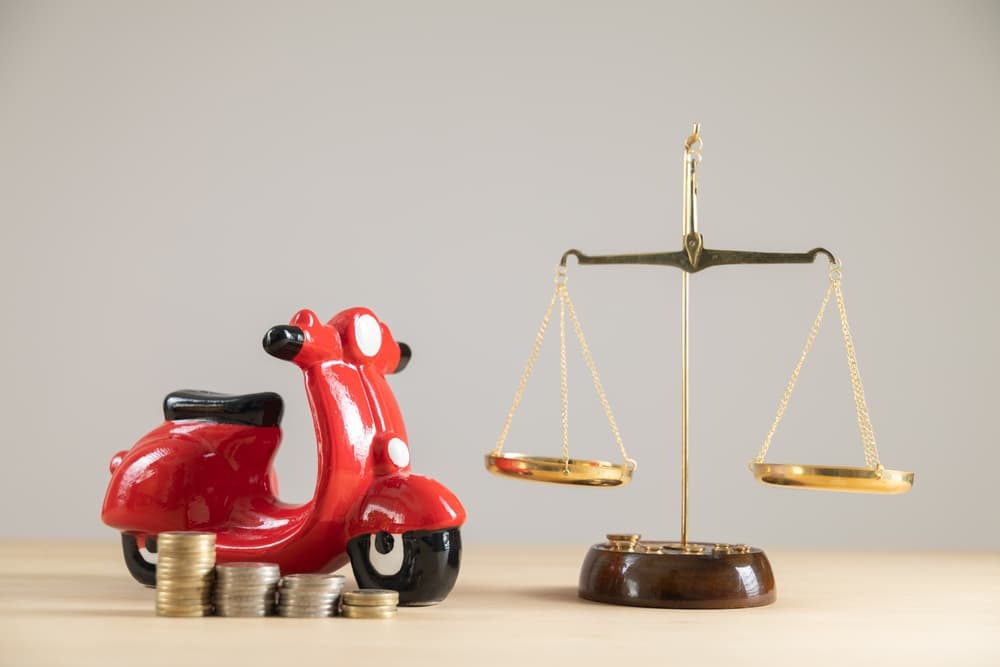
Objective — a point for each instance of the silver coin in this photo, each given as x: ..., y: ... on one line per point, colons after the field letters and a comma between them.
x: 238, y: 568
x: 308, y: 595
x: 304, y: 614
x: 318, y: 579
x: 243, y: 611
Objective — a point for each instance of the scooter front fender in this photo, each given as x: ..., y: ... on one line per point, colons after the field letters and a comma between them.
x: 404, y: 535
x: 401, y: 502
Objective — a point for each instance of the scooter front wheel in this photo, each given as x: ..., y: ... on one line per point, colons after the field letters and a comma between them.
x: 421, y: 564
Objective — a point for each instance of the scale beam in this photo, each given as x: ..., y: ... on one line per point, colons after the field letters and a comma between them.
x: 706, y: 258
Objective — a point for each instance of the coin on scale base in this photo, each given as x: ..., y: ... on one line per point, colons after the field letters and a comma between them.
x: 184, y: 573
x: 309, y: 595
x: 246, y: 589
x: 370, y: 603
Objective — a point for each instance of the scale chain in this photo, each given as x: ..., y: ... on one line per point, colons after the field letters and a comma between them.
x: 528, y: 368
x: 598, y: 386
x: 561, y: 293
x: 860, y: 405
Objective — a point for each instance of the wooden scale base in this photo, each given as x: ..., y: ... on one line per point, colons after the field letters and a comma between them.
x: 699, y: 575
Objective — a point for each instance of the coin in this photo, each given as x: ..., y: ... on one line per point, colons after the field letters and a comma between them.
x: 185, y: 573
x: 370, y: 603
x: 309, y: 595
x: 371, y: 597
x: 246, y: 589
x: 312, y: 580
x: 351, y: 611
x: 254, y: 571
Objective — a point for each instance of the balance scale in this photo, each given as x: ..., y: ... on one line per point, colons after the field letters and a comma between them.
x: 682, y: 574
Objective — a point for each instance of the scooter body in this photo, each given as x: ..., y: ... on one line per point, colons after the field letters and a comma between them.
x: 209, y: 467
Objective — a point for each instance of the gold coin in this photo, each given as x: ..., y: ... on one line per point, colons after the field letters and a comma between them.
x: 191, y: 597
x: 184, y: 571
x: 184, y: 535
x: 189, y: 564
x: 183, y: 611
x: 350, y: 611
x: 305, y: 613
x: 179, y: 587
x: 371, y: 597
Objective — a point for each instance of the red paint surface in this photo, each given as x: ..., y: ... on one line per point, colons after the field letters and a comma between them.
x: 204, y: 475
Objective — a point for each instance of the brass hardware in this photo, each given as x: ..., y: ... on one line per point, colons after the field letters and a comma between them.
x: 685, y: 410
x: 564, y: 470
x: 559, y: 470
x: 692, y: 258
x: 693, y: 246
x: 623, y: 541
x: 834, y: 478
x: 631, y: 543
x: 692, y: 240
x: 709, y: 258
x: 873, y: 479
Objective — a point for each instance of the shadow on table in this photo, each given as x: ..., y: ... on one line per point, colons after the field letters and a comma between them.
x: 552, y: 594
x: 565, y: 594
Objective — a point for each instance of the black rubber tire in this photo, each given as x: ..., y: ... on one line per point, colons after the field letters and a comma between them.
x: 430, y: 564
x: 141, y: 569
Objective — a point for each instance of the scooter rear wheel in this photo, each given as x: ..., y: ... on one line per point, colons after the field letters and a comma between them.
x: 141, y: 569
x: 421, y: 564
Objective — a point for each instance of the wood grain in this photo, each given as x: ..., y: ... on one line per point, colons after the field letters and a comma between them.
x: 675, y: 580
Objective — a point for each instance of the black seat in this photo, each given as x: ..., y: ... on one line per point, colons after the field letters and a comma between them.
x: 263, y: 409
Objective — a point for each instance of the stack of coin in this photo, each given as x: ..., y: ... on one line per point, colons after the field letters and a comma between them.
x: 184, y: 569
x: 246, y: 589
x: 309, y: 595
x: 370, y: 603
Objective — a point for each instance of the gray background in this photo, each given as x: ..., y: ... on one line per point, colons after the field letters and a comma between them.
x: 177, y: 177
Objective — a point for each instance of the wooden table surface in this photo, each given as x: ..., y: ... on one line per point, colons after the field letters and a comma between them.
x: 71, y: 603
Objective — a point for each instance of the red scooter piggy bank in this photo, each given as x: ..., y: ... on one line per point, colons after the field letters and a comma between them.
x: 209, y: 467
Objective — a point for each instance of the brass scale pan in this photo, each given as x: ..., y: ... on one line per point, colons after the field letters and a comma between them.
x: 833, y: 478
x: 559, y: 470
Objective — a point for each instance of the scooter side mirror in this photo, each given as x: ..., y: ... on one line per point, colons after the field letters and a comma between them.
x: 405, y: 354
x: 283, y: 341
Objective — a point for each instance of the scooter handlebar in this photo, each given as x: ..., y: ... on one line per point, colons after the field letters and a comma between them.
x: 405, y: 354
x: 284, y: 341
